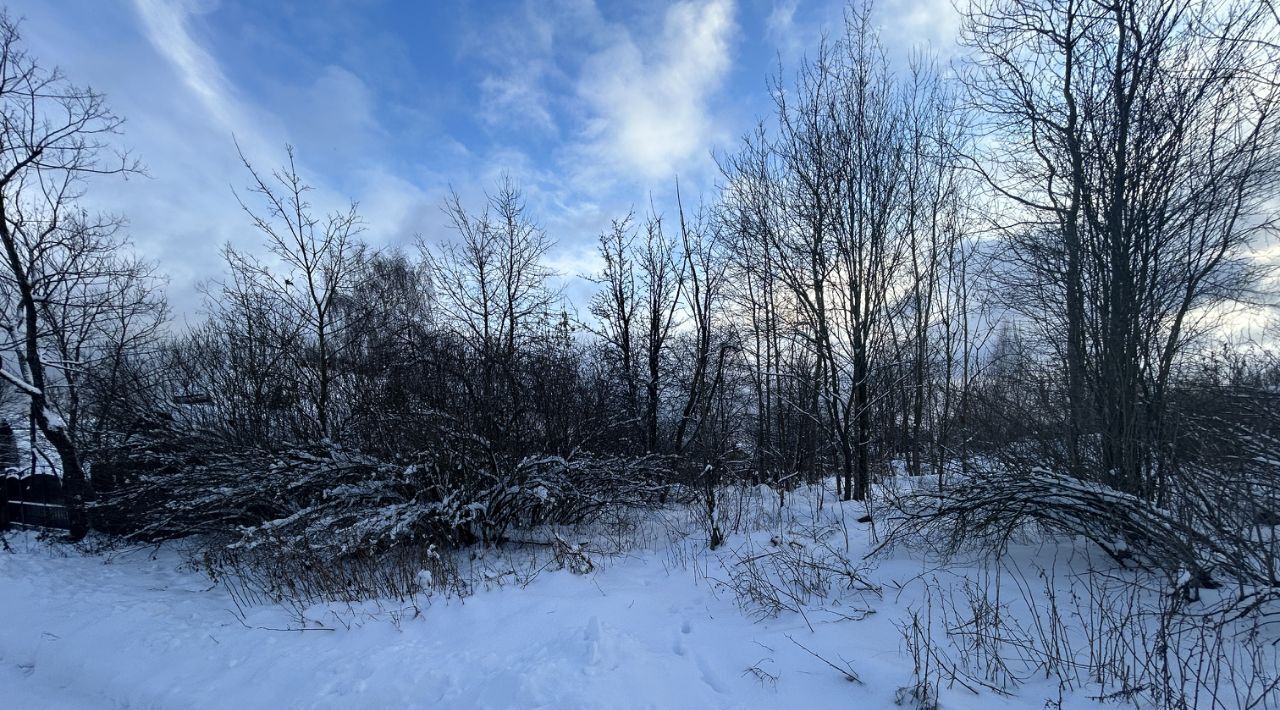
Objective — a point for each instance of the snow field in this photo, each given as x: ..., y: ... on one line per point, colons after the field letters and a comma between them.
x: 655, y: 628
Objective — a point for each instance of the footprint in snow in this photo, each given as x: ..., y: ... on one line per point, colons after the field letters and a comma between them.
x: 709, y: 676
x: 592, y: 636
x: 592, y: 632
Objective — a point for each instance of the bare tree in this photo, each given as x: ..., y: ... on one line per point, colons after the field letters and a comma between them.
x: 616, y: 309
x: 245, y: 359
x: 101, y: 309
x: 1135, y: 145
x: 392, y: 355
x: 750, y: 212
x: 807, y: 173
x: 840, y: 236
x: 319, y: 261
x: 703, y: 286
x: 492, y: 292
x: 52, y: 137
x: 661, y: 280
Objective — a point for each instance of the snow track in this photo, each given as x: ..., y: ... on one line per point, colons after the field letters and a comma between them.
x: 141, y: 632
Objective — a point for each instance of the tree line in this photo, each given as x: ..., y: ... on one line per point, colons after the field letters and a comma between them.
x: 1026, y: 256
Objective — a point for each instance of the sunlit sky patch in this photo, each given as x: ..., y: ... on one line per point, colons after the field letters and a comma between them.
x: 594, y: 108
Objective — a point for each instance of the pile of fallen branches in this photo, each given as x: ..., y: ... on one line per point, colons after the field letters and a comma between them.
x: 993, y: 508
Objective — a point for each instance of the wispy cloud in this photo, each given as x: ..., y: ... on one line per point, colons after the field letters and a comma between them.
x: 650, y: 98
x: 521, y: 48
x: 932, y: 25
x: 188, y: 208
x: 166, y: 25
x: 589, y: 106
x: 780, y: 27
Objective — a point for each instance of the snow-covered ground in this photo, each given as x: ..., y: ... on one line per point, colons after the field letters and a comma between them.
x: 656, y: 628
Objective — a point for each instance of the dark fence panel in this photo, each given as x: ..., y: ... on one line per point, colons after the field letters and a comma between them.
x: 34, y: 501
x: 40, y: 515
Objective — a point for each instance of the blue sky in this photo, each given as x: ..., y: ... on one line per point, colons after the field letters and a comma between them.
x: 591, y: 106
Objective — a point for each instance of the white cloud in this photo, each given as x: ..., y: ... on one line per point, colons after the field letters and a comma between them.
x: 165, y: 22
x: 626, y: 100
x: 396, y: 210
x: 517, y: 99
x: 182, y: 111
x: 905, y: 26
x: 650, y: 103
x: 780, y: 27
x: 516, y: 95
x: 179, y: 122
x: 933, y: 25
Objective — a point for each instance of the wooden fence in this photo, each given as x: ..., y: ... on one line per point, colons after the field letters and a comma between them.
x: 35, y: 515
x: 33, y: 501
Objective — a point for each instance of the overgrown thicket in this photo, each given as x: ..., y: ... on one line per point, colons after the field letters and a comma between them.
x: 357, y: 403
x: 1134, y: 149
x: 1010, y: 278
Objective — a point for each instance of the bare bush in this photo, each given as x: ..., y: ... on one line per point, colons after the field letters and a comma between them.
x: 796, y: 571
x: 310, y: 522
x: 1189, y: 542
x: 1113, y: 637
